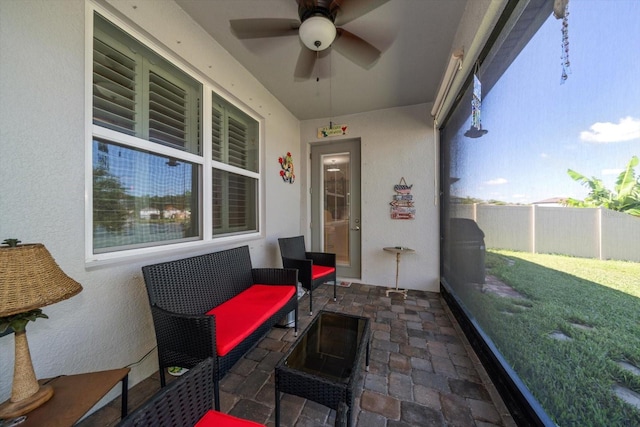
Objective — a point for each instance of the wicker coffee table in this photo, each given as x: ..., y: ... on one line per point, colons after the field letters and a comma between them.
x: 323, y: 364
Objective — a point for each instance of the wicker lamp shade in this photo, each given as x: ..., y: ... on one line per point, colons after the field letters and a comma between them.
x: 30, y: 278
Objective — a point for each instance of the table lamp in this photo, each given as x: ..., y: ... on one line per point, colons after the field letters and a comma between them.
x: 29, y: 279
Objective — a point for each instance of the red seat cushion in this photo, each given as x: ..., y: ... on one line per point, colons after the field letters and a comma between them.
x: 318, y: 271
x: 218, y: 419
x: 237, y: 318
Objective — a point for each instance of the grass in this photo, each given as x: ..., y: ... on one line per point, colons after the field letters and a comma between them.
x: 595, y: 303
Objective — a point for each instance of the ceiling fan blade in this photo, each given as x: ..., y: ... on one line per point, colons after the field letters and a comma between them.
x: 356, y: 49
x: 348, y: 10
x: 264, y: 27
x: 305, y: 64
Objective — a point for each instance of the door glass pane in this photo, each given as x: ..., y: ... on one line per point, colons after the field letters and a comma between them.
x: 336, y: 172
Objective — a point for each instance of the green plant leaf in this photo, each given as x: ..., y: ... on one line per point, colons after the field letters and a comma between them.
x: 18, y: 322
x: 625, y: 198
x: 626, y: 182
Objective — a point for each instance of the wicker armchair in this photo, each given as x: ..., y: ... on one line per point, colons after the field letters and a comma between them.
x: 314, y: 268
x: 181, y: 292
x: 184, y: 402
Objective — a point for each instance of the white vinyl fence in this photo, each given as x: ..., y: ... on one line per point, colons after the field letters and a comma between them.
x: 583, y: 232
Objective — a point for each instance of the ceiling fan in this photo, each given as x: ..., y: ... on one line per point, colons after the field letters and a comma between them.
x: 318, y: 28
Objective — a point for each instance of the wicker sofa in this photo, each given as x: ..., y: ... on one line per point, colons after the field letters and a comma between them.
x: 186, y: 402
x: 215, y: 305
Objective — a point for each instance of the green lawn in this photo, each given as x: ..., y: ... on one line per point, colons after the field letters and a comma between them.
x: 595, y: 303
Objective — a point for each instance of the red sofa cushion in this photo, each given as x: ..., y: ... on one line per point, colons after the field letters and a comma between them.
x: 320, y: 270
x: 237, y: 318
x: 218, y: 419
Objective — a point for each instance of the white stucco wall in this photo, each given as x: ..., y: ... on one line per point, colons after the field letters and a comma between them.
x: 42, y: 178
x: 395, y: 143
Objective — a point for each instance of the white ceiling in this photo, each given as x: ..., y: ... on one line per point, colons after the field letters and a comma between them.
x: 415, y: 37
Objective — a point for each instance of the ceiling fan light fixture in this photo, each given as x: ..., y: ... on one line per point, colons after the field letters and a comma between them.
x: 317, y: 32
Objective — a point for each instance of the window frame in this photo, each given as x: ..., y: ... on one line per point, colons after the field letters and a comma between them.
x: 203, y: 161
x: 521, y: 404
x: 224, y: 165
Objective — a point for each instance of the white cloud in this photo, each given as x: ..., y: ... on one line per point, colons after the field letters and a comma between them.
x: 497, y: 181
x: 627, y: 129
x: 544, y: 155
x: 615, y: 172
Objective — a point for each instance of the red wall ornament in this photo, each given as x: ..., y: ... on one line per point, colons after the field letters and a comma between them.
x: 286, y: 163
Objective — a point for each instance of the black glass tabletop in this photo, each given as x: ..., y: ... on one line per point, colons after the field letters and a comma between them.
x: 329, y: 346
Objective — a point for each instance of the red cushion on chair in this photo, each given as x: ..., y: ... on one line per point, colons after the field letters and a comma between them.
x: 318, y: 271
x: 237, y: 318
x: 218, y: 419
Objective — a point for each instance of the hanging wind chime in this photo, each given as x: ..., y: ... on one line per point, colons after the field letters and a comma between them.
x: 476, y: 130
x: 561, y: 11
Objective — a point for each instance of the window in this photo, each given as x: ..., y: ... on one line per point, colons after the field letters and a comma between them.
x: 552, y: 289
x: 151, y: 158
x: 138, y: 93
x: 234, y: 142
x: 141, y: 198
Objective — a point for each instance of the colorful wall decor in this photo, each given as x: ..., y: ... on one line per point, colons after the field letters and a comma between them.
x: 333, y: 130
x: 286, y: 172
x: 402, y: 203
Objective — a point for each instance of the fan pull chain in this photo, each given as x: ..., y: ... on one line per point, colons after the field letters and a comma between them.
x: 330, y: 89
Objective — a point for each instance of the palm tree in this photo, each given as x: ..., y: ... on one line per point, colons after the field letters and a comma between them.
x: 624, y: 198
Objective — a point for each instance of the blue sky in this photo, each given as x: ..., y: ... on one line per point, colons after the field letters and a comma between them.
x: 590, y: 124
x: 146, y: 174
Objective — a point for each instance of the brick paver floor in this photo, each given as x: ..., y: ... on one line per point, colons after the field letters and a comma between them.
x: 422, y: 371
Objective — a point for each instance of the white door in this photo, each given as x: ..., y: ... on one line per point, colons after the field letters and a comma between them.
x: 335, y: 203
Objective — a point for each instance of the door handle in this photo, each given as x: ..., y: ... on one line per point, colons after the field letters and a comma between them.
x: 356, y: 228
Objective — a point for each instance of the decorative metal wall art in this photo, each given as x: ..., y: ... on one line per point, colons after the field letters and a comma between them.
x: 286, y: 165
x: 333, y: 130
x: 402, y: 203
